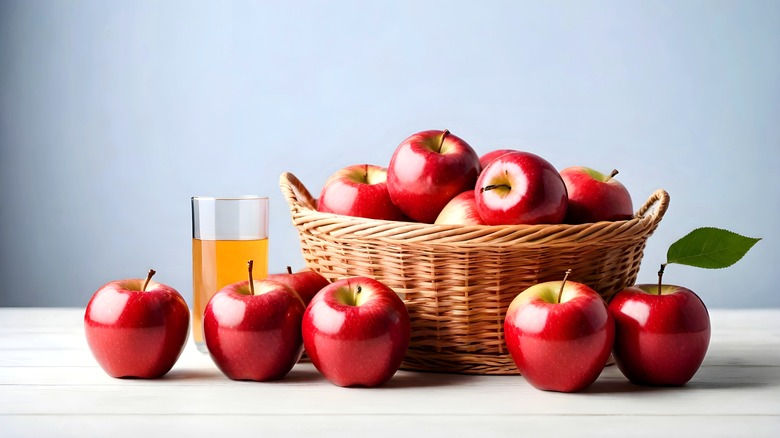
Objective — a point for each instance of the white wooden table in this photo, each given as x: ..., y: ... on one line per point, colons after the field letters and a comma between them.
x: 51, y: 386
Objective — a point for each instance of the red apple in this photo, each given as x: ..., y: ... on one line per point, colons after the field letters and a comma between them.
x: 594, y: 196
x: 520, y: 188
x: 359, y: 190
x: 559, y: 335
x: 461, y: 210
x: 661, y: 339
x: 427, y: 170
x: 253, y: 329
x: 485, y: 159
x: 136, y: 327
x: 356, y: 331
x: 306, y: 282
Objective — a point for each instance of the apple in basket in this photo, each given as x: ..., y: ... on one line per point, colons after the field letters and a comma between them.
x: 595, y: 196
x: 359, y: 190
x: 306, y: 282
x: 427, y: 170
x: 559, y: 334
x: 486, y: 158
x: 253, y: 329
x: 461, y: 210
x: 136, y: 327
x: 356, y: 331
x: 520, y: 188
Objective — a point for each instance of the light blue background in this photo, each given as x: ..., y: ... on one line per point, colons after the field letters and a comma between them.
x: 113, y: 114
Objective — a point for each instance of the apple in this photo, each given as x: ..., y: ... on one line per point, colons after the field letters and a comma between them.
x: 359, y: 190
x: 520, y: 188
x: 485, y: 159
x: 253, y: 329
x: 356, y: 331
x: 306, y: 282
x: 427, y: 170
x: 662, y: 333
x: 595, y: 196
x: 136, y: 327
x: 461, y: 210
x: 559, y: 335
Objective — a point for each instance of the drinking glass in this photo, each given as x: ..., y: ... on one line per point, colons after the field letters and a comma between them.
x: 226, y: 233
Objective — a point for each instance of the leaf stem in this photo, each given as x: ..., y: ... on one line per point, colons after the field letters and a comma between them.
x: 611, y: 175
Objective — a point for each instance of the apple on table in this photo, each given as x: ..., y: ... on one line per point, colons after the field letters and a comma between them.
x: 356, y: 331
x: 662, y: 330
x: 427, y: 170
x: 595, y: 196
x: 559, y: 334
x: 136, y: 327
x: 306, y: 282
x: 520, y: 188
x: 252, y: 329
x: 663, y: 334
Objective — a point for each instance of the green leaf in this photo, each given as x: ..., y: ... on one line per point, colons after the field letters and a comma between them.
x: 711, y: 248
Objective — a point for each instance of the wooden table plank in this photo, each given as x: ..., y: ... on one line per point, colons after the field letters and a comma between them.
x: 390, y: 426
x: 50, y: 382
x: 714, y: 393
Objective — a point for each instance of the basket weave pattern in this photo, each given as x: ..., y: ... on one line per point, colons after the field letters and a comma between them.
x: 457, y: 281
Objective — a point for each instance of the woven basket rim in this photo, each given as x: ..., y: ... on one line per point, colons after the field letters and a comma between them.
x: 303, y: 208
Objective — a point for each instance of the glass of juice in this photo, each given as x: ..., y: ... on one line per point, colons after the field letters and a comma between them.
x: 226, y: 234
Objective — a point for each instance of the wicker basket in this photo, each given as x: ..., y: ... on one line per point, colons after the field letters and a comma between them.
x: 457, y: 281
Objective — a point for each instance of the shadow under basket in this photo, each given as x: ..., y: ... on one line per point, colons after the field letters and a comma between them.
x: 457, y: 280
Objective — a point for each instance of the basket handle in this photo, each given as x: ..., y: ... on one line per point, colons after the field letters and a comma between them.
x: 295, y: 192
x: 660, y: 197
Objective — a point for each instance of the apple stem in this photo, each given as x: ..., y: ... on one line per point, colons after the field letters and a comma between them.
x: 249, y: 265
x: 289, y: 269
x: 661, y: 276
x: 148, y: 279
x: 563, y: 283
x: 495, y: 186
x: 441, y: 140
x: 611, y: 175
x: 357, y: 294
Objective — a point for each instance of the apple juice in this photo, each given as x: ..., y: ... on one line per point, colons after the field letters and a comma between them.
x: 217, y: 263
